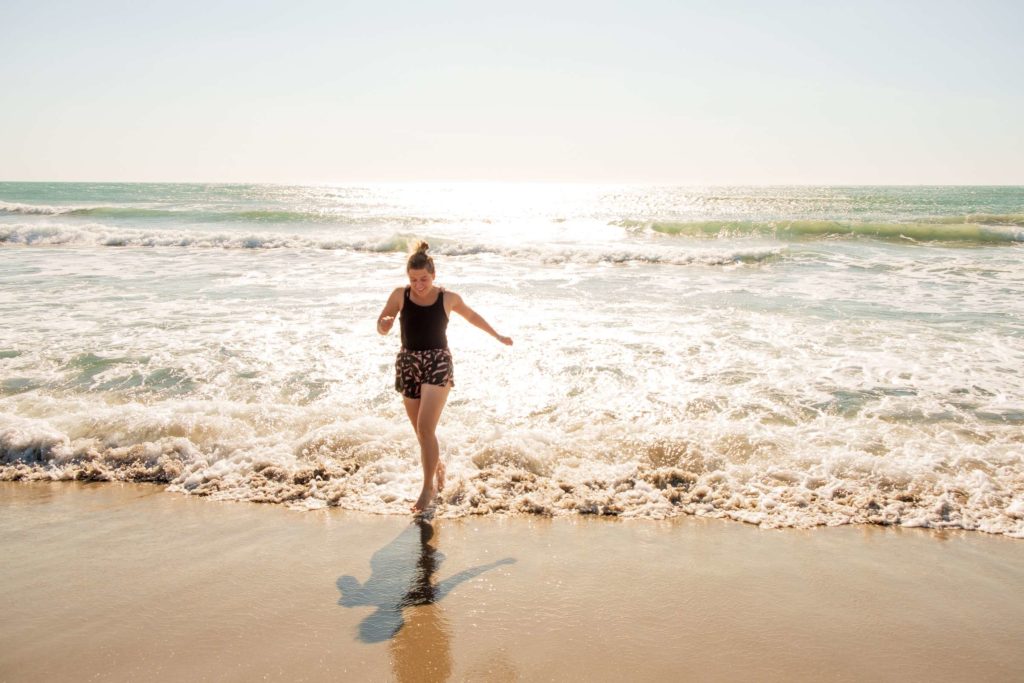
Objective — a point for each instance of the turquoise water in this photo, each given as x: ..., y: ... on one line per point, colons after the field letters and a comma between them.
x: 785, y: 356
x: 796, y: 211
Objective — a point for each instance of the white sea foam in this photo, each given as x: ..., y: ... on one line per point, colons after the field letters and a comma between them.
x: 781, y: 382
x: 30, y: 209
x: 368, y: 464
x: 702, y: 409
x: 98, y: 235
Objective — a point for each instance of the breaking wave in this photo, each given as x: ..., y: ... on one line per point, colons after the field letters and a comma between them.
x: 207, y: 215
x: 366, y: 465
x: 95, y: 235
x: 974, y: 228
x: 988, y: 228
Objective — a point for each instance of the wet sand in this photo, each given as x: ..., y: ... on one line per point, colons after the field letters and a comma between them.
x: 127, y: 582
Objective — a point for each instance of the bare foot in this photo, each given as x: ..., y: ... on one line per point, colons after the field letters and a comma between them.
x: 439, y: 476
x: 425, y: 500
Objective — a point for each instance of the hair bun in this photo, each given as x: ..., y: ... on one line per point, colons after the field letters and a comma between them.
x: 420, y: 259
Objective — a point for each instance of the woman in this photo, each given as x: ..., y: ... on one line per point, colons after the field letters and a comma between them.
x: 423, y: 369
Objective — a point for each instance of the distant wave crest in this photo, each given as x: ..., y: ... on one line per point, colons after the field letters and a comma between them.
x: 96, y: 235
x: 207, y: 215
x: 989, y: 228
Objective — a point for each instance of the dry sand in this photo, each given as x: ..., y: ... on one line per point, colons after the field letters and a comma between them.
x: 127, y: 582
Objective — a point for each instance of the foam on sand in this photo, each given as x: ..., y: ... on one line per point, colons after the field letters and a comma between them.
x: 369, y: 465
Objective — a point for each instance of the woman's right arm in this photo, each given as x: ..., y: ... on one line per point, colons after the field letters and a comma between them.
x: 387, y: 317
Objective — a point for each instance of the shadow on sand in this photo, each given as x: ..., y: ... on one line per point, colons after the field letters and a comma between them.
x: 402, y: 576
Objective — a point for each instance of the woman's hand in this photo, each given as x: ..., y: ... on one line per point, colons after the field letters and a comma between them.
x: 507, y: 341
x: 387, y: 317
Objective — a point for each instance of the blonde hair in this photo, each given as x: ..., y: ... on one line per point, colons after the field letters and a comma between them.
x: 420, y: 259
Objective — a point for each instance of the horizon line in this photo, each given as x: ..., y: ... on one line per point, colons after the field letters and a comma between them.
x: 595, y: 183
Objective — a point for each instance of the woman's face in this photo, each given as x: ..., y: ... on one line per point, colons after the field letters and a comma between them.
x: 421, y: 281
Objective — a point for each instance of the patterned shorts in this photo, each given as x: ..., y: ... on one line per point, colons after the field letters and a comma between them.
x: 413, y: 369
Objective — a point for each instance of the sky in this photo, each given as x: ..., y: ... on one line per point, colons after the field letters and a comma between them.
x: 687, y: 92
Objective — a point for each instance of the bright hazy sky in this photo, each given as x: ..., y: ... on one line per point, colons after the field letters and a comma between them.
x: 676, y: 91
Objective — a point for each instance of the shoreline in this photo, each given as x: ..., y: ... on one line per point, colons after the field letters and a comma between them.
x: 117, y: 580
x: 660, y: 494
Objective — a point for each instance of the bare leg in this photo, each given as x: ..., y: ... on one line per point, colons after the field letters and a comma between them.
x: 440, y: 474
x: 412, y: 409
x: 432, y: 400
x: 442, y: 471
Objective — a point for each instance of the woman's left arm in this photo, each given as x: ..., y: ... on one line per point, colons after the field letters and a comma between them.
x: 475, y: 319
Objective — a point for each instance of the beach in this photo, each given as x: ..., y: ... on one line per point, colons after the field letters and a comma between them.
x: 127, y: 582
x: 615, y: 342
x: 744, y: 433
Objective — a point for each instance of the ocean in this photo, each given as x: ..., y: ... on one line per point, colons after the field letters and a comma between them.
x: 782, y: 356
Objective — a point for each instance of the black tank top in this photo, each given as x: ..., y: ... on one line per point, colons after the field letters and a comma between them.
x: 423, y: 327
